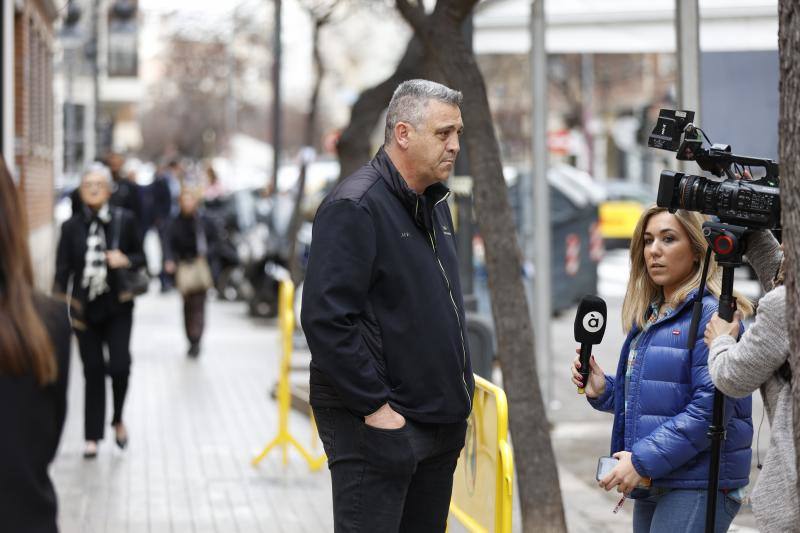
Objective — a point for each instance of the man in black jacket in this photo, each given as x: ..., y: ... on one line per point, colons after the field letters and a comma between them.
x: 391, y: 380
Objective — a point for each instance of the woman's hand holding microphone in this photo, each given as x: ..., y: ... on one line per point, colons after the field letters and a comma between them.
x: 596, y: 384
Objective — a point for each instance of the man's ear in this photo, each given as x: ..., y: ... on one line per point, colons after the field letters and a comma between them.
x: 402, y: 131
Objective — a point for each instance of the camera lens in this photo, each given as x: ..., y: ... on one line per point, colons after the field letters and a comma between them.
x: 689, y: 187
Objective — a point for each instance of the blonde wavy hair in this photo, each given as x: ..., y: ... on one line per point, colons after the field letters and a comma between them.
x: 642, y: 291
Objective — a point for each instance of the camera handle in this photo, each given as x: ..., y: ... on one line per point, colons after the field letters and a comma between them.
x: 718, y: 158
x: 728, y: 244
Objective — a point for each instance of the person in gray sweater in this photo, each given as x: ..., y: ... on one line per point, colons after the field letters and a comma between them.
x: 759, y: 360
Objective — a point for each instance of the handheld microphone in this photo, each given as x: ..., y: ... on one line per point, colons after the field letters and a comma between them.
x: 590, y: 324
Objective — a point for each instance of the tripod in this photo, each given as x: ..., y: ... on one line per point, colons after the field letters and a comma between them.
x: 728, y: 244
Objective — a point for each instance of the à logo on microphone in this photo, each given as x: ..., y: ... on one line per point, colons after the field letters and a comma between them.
x: 593, y: 322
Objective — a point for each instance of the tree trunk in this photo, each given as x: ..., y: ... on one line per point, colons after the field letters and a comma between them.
x: 309, y: 136
x: 354, y: 147
x: 539, y: 492
x: 789, y: 152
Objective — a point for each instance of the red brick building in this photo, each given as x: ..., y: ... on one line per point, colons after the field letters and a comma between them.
x: 28, y: 129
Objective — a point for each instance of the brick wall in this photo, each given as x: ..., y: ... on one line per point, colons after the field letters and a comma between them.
x: 34, y: 112
x: 34, y: 127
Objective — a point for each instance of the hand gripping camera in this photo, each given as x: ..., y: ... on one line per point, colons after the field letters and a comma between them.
x: 754, y: 204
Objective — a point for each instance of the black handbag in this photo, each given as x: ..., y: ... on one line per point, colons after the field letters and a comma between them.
x: 132, y: 282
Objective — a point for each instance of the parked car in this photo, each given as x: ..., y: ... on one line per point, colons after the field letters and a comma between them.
x: 619, y: 212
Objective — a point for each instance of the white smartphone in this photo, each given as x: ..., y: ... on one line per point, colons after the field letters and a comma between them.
x: 604, y: 466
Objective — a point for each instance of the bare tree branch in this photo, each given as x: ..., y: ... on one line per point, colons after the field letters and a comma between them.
x: 456, y: 10
x: 354, y: 146
x: 414, y: 14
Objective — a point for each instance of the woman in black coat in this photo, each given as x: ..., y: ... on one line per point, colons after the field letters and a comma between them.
x: 96, y: 245
x: 34, y: 367
x: 193, y: 237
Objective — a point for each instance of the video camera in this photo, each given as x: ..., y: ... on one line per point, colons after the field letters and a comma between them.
x: 754, y: 203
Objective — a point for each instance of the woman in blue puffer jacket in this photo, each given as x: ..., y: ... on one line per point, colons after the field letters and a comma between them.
x: 662, y: 394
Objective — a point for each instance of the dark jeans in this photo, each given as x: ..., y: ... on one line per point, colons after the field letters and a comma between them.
x: 194, y: 315
x: 389, y: 480
x: 115, y: 334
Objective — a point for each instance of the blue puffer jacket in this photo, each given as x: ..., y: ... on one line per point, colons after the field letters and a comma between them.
x: 670, y: 406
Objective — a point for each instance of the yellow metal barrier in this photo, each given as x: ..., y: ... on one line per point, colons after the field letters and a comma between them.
x: 484, y: 476
x: 284, y: 438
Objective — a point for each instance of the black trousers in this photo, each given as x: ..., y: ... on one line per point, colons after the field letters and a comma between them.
x: 166, y: 279
x: 194, y: 315
x: 386, y: 481
x: 113, y: 335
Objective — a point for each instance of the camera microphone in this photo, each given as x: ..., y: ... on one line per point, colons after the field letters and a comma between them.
x: 590, y: 324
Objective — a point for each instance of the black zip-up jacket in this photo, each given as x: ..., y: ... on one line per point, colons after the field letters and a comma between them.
x: 382, y: 307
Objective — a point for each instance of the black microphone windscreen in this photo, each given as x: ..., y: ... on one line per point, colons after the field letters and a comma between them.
x: 590, y: 321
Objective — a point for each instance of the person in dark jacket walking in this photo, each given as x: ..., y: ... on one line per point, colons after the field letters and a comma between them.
x: 95, y: 245
x: 391, y: 379
x: 125, y: 191
x: 193, y: 236
x: 165, y: 190
x: 34, y: 370
x: 662, y: 394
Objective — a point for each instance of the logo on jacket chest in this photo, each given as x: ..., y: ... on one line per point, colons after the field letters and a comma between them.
x: 405, y: 235
x: 446, y: 230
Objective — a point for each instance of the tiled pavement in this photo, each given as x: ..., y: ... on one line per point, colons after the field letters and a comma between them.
x: 195, y: 425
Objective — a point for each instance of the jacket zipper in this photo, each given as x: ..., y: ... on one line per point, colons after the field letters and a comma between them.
x: 646, y: 337
x: 453, y: 301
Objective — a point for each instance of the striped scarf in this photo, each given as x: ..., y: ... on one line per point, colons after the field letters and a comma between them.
x: 95, y: 271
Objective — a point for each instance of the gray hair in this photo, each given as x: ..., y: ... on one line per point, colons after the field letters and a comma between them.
x: 97, y: 167
x: 410, y: 100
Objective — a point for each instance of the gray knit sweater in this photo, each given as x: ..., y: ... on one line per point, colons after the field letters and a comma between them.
x: 738, y: 369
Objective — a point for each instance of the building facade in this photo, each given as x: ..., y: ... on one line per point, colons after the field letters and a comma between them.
x: 28, y: 125
x: 98, y: 82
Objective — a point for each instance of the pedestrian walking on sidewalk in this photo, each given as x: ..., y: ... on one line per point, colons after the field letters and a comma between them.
x: 391, y: 379
x: 96, y: 244
x: 166, y: 190
x: 34, y: 367
x: 661, y: 394
x: 192, y: 237
x: 760, y: 360
x: 124, y: 190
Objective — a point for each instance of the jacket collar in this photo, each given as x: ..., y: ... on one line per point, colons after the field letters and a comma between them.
x: 687, y: 302
x: 103, y: 214
x: 395, y: 182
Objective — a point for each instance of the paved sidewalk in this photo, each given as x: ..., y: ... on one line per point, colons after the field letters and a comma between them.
x: 194, y: 426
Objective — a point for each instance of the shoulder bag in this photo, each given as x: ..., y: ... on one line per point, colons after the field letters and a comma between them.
x: 132, y: 281
x: 194, y: 275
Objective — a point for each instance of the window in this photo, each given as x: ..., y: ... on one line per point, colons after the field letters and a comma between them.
x: 123, y: 42
x: 74, y: 125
